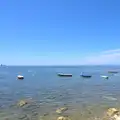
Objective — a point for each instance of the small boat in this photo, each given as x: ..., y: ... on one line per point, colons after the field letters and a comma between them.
x: 113, y: 72
x: 103, y: 76
x: 20, y: 77
x: 86, y: 76
x: 64, y: 75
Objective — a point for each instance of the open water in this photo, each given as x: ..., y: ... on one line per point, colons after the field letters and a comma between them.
x: 85, y: 98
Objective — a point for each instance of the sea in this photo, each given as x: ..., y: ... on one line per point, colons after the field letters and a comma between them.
x: 45, y: 92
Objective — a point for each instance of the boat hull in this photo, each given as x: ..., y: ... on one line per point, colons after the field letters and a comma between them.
x: 105, y: 77
x: 86, y: 76
x: 65, y: 75
x: 112, y: 72
x: 20, y: 77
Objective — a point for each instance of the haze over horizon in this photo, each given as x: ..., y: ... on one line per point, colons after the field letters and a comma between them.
x: 65, y: 32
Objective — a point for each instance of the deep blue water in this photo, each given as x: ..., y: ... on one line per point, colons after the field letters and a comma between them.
x: 42, y: 84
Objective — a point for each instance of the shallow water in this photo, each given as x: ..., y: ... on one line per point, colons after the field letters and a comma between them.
x: 85, y: 98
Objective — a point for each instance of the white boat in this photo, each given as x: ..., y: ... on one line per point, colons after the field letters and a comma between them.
x: 20, y: 77
x: 103, y: 76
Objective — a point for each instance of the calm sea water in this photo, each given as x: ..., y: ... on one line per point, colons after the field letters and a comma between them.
x: 85, y: 98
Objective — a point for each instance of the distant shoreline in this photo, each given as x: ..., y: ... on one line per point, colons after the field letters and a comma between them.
x: 61, y: 65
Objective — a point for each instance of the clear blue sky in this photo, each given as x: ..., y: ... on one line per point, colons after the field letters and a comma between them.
x: 47, y: 32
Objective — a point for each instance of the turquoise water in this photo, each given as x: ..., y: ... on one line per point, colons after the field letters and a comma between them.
x: 85, y: 98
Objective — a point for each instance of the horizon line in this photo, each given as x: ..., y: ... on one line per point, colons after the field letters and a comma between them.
x: 69, y: 65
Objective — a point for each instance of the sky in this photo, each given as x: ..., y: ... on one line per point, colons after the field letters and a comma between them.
x: 59, y: 32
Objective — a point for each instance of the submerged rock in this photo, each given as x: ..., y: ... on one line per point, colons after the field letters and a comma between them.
x: 61, y: 110
x: 110, y: 98
x: 22, y: 116
x: 22, y: 103
x: 63, y: 118
x: 34, y: 114
x: 45, y: 114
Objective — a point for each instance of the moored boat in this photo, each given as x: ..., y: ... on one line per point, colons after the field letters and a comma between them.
x: 103, y: 76
x: 112, y: 71
x: 20, y: 77
x: 86, y: 76
x: 64, y: 75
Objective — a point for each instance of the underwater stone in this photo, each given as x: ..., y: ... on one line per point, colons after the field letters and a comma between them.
x: 63, y: 118
x: 22, y: 116
x: 22, y: 103
x: 61, y: 110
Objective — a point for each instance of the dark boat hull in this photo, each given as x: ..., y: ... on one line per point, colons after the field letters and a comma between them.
x: 65, y: 75
x: 112, y: 72
x: 86, y: 76
x: 20, y: 78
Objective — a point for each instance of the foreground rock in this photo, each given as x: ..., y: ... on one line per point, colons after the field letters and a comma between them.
x: 112, y: 114
x: 22, y: 103
x: 61, y: 110
x: 63, y: 118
